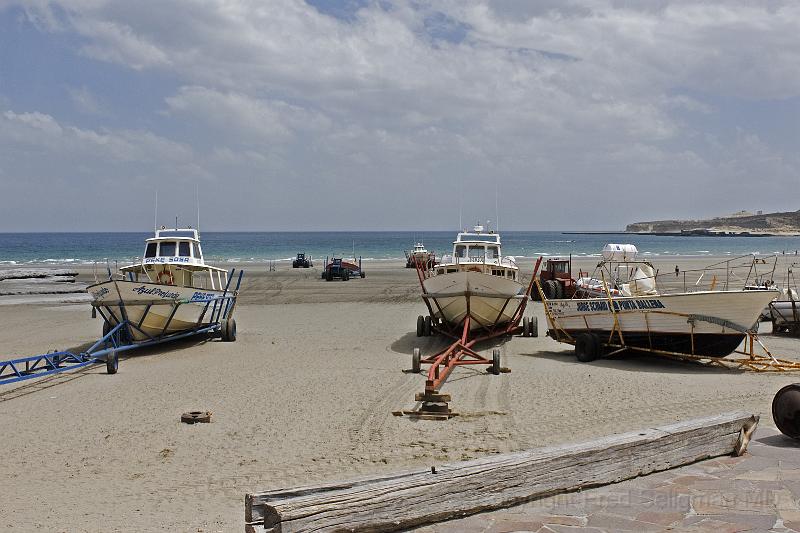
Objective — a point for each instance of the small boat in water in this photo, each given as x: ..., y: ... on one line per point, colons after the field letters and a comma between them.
x: 170, y: 291
x: 622, y: 307
x: 476, y: 281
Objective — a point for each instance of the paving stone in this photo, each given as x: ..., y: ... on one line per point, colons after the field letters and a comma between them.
x: 660, y: 517
x: 761, y: 522
x: 515, y: 526
x: 714, y: 526
x: 574, y: 529
x: 619, y: 523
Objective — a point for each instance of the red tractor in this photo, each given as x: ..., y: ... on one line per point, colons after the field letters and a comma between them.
x: 556, y: 280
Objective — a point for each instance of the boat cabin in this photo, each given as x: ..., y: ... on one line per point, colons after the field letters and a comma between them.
x: 175, y: 257
x: 479, y: 251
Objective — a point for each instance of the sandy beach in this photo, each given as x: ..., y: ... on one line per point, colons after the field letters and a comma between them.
x: 306, y: 394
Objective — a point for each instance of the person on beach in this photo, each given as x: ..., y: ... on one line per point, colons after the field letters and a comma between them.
x: 677, y: 271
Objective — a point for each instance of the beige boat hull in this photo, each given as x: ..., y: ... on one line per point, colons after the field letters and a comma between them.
x: 488, y: 300
x: 157, y: 304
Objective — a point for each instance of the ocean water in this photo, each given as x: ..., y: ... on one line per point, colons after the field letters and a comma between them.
x: 87, y: 248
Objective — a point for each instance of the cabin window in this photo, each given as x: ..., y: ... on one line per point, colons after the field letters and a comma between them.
x: 461, y: 250
x: 183, y: 249
x: 167, y: 249
x: 477, y: 252
x: 151, y: 249
x: 491, y: 252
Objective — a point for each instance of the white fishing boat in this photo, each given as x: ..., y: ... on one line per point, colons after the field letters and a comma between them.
x: 475, y: 281
x: 622, y: 307
x: 171, y: 290
x: 418, y: 255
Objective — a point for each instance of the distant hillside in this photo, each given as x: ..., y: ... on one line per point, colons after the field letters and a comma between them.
x: 774, y: 223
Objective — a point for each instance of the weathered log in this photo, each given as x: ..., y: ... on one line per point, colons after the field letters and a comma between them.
x: 408, y: 499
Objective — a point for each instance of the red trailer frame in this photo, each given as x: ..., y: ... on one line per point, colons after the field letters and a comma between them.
x: 459, y: 352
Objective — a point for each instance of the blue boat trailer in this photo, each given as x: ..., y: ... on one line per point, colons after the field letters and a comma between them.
x: 118, y: 339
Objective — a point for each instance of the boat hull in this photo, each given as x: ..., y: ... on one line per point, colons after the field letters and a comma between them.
x: 488, y: 300
x: 154, y: 308
x: 706, y: 323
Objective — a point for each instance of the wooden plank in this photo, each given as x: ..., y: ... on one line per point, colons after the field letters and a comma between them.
x: 407, y: 499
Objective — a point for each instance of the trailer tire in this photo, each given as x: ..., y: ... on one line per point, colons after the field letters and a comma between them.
x: 495, y: 362
x: 112, y: 362
x: 526, y: 327
x: 534, y: 325
x: 420, y: 326
x: 415, y: 361
x: 106, y: 327
x: 427, y: 323
x: 786, y: 410
x: 229, y: 330
x: 587, y: 347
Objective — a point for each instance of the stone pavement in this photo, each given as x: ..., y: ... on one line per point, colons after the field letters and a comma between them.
x: 757, y: 492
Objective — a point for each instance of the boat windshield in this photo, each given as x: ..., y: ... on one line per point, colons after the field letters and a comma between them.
x: 461, y: 250
x: 491, y: 252
x: 167, y: 249
x: 151, y: 249
x: 184, y: 249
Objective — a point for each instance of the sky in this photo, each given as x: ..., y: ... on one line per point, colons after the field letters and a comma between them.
x: 395, y: 115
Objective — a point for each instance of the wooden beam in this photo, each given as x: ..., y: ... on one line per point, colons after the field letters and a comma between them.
x: 408, y: 499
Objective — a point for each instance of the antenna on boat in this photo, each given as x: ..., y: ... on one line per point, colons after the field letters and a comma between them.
x: 496, y: 210
x: 460, y: 205
x: 197, y: 198
x: 155, y: 215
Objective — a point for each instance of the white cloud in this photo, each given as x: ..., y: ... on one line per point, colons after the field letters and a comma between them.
x: 544, y: 95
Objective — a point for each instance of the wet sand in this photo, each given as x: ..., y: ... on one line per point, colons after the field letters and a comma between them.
x: 304, y: 395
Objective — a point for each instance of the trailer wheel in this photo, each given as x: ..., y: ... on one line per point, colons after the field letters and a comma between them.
x: 427, y: 326
x: 587, y: 347
x: 495, y: 362
x: 106, y: 327
x: 526, y: 327
x: 415, y: 359
x: 420, y: 326
x: 229, y: 330
x: 112, y: 362
x: 534, y: 325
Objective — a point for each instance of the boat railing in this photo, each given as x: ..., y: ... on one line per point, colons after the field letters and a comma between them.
x: 737, y: 273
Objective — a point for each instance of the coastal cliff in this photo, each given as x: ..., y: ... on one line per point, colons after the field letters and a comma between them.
x: 786, y: 223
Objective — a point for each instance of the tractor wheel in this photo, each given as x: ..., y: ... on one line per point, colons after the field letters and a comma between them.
x: 526, y: 327
x: 427, y: 326
x: 294, y: 264
x: 420, y: 326
x: 415, y: 358
x: 534, y: 326
x: 547, y: 290
x: 112, y: 362
x: 495, y: 362
x: 559, y: 289
x: 329, y: 276
x: 228, y: 330
x: 587, y: 347
x: 363, y: 275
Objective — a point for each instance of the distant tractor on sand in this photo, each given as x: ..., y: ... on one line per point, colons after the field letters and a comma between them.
x: 556, y: 280
x: 343, y: 269
x: 302, y: 262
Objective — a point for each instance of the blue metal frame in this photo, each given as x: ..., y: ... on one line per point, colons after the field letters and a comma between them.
x: 24, y: 368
